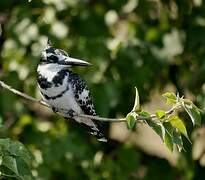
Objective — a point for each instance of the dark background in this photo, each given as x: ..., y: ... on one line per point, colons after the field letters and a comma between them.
x: 155, y: 45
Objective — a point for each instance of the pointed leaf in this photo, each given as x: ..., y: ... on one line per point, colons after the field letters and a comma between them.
x: 171, y: 98
x: 177, y: 139
x: 160, y: 114
x: 131, y: 121
x: 144, y: 114
x: 175, y: 136
x: 10, y: 163
x: 179, y: 124
x: 136, y: 107
x: 193, y: 113
x: 158, y: 128
x: 169, y: 128
x: 168, y: 141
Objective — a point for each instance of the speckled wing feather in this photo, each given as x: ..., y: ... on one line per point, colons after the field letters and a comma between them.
x: 82, y: 96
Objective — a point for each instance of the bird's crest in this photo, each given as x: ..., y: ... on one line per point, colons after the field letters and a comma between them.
x: 48, y: 43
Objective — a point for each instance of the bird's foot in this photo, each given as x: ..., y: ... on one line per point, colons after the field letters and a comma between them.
x: 71, y: 113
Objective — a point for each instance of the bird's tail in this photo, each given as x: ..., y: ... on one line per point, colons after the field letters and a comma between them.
x: 96, y: 132
x: 93, y: 128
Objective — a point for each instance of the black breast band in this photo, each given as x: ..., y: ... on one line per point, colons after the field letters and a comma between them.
x: 57, y: 96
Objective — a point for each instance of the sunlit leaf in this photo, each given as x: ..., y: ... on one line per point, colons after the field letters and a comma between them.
x: 160, y: 114
x: 179, y: 124
x: 172, y: 137
x: 170, y: 98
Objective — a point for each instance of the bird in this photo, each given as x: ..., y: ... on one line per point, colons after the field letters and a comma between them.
x: 64, y: 90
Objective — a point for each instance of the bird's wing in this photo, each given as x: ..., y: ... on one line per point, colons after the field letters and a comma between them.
x: 82, y: 96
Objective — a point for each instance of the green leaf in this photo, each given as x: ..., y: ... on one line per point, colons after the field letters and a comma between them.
x: 177, y: 139
x: 168, y: 127
x: 131, y: 121
x: 179, y: 124
x: 170, y: 98
x: 160, y: 114
x: 137, y: 107
x: 193, y: 112
x: 168, y: 141
x: 23, y: 169
x: 16, y: 158
x: 158, y: 128
x: 15, y: 148
x: 144, y: 114
x: 172, y: 137
x: 10, y: 162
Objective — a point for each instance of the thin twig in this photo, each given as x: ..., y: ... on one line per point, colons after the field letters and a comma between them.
x: 5, y: 86
x: 97, y: 118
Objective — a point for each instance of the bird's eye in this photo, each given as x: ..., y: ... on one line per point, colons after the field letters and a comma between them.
x: 53, y: 58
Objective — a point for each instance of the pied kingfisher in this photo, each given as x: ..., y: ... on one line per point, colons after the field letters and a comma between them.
x: 64, y: 90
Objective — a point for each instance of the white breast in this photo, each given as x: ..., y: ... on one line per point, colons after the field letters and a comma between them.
x: 54, y: 90
x: 67, y: 100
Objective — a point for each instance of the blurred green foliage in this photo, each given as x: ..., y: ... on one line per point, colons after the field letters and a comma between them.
x: 148, y: 44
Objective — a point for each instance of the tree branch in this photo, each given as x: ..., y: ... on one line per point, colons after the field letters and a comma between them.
x: 25, y: 96
x: 97, y: 118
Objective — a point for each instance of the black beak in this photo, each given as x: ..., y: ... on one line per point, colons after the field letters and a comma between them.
x: 68, y: 61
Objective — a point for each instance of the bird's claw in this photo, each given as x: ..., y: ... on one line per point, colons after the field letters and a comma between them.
x: 71, y: 113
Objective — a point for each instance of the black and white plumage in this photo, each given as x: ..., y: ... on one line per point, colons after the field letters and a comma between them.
x: 64, y: 90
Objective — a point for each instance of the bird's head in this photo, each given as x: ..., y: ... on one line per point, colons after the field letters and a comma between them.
x: 59, y: 57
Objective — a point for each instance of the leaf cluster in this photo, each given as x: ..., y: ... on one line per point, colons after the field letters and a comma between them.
x: 167, y: 124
